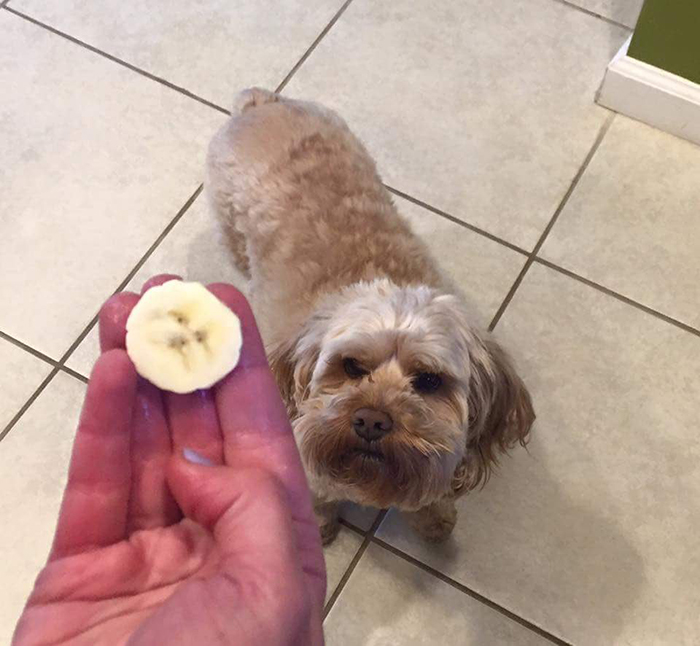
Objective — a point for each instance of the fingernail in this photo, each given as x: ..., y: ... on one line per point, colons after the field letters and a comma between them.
x: 195, y: 458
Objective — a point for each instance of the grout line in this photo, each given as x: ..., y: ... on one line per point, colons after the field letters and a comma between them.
x: 40, y: 355
x: 4, y: 4
x: 119, y: 61
x: 79, y: 340
x: 313, y: 46
x: 346, y: 575
x: 456, y: 220
x: 43, y: 357
x: 75, y: 374
x: 509, y: 296
x: 574, y: 183
x: 588, y: 12
x: 60, y: 364
x: 28, y: 403
x: 353, y: 564
x: 472, y: 593
x: 28, y: 348
x: 178, y: 216
x: 572, y: 187
x: 351, y: 527
x: 620, y: 297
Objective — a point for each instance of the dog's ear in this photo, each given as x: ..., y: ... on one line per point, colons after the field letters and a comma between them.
x: 500, y: 414
x: 292, y: 365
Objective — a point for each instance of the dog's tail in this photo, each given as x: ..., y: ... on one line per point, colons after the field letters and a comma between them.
x: 251, y: 98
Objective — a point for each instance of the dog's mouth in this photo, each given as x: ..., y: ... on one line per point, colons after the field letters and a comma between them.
x: 365, y: 454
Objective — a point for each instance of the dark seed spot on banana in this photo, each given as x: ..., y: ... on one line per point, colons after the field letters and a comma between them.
x: 182, y: 320
x: 200, y: 336
x: 178, y: 342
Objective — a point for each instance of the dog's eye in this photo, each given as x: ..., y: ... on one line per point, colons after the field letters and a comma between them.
x: 427, y: 382
x: 353, y: 368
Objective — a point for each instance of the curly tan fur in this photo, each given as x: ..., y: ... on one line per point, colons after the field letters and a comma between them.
x: 337, y: 273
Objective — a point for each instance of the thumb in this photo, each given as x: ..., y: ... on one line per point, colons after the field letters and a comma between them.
x: 246, y: 511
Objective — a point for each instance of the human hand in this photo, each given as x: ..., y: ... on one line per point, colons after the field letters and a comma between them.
x: 151, y: 548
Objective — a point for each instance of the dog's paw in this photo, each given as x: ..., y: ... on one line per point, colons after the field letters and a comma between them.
x: 251, y: 98
x: 329, y: 531
x: 436, y: 531
x: 435, y: 522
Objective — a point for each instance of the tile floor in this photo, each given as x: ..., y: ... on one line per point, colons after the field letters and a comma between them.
x: 571, y: 230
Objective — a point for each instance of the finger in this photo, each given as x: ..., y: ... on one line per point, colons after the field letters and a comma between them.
x: 192, y: 418
x: 158, y: 280
x: 115, y: 312
x: 254, y: 422
x: 257, y: 433
x: 194, y: 423
x: 150, y: 504
x: 95, y: 502
x: 112, y: 320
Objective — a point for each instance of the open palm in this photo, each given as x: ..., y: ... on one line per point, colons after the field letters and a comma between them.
x: 186, y: 518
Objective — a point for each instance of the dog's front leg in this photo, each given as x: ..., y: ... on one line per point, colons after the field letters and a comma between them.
x: 436, y: 521
x: 327, y: 514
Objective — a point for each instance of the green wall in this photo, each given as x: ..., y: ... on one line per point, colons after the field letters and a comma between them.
x: 668, y: 36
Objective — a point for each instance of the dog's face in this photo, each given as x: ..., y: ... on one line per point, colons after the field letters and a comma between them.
x: 383, y: 384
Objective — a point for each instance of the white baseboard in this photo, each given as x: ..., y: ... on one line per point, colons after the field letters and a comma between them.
x: 652, y: 95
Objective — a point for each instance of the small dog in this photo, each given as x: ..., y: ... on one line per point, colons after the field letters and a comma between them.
x: 395, y: 399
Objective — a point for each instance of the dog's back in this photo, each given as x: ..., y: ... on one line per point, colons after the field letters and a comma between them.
x: 303, y: 207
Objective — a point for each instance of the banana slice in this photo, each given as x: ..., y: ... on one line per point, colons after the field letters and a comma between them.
x: 182, y: 338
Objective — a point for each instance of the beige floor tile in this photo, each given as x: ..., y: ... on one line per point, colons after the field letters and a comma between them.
x: 481, y: 269
x: 632, y: 224
x: 33, y: 466
x: 624, y: 11
x: 338, y: 556
x: 213, y: 49
x: 95, y: 161
x: 388, y: 601
x: 591, y: 534
x: 485, y: 114
x: 83, y: 358
x: 20, y: 375
x: 361, y: 517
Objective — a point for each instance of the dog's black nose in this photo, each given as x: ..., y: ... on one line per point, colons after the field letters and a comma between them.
x: 371, y: 424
